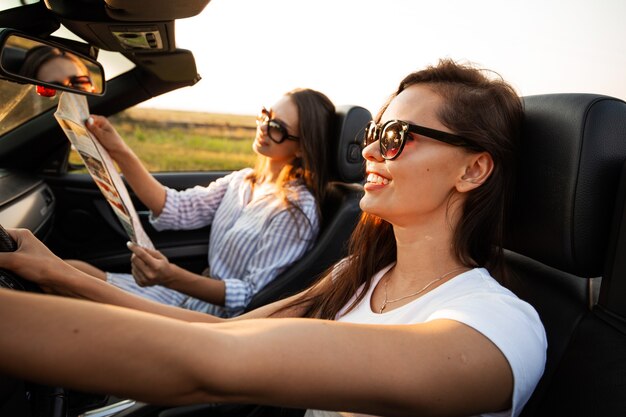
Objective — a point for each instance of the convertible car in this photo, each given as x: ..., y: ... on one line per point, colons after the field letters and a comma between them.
x: 566, y: 245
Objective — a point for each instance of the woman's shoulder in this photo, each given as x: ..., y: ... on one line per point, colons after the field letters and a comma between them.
x: 478, y: 297
x: 476, y: 293
x: 300, y: 193
x: 244, y: 173
x: 480, y: 281
x: 236, y: 178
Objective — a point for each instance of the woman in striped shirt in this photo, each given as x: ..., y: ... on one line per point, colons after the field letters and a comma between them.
x: 262, y: 219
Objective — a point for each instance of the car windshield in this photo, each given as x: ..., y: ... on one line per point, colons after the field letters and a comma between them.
x: 19, y: 102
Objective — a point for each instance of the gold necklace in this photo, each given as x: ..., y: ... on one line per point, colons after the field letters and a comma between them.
x: 386, y: 301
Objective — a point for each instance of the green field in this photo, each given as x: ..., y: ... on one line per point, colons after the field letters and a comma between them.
x: 187, y: 141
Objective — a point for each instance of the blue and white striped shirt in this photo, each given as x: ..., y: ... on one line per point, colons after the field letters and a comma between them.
x: 251, y: 242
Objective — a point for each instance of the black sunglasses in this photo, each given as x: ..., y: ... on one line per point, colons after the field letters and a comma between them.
x: 76, y: 80
x: 275, y: 130
x: 393, y: 134
x: 81, y: 82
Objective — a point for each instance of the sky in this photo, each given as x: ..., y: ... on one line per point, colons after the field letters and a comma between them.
x: 250, y: 52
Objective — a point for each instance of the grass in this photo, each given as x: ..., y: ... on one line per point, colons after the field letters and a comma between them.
x: 186, y: 141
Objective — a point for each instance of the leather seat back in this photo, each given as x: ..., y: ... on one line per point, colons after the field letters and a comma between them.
x: 562, y: 242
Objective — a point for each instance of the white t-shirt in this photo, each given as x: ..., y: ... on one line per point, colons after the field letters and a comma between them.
x: 479, y: 301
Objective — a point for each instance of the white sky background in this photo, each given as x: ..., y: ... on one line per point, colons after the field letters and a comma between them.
x: 250, y: 52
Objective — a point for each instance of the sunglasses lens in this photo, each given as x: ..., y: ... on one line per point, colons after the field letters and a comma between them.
x: 275, y: 131
x: 370, y: 134
x: 391, y: 140
x: 80, y: 79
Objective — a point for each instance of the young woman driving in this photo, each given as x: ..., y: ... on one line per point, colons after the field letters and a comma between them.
x: 410, y: 323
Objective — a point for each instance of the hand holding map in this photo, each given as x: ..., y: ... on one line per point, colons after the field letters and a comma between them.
x: 72, y: 113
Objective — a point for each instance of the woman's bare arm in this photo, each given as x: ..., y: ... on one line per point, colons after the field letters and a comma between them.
x: 437, y: 368
x: 35, y: 262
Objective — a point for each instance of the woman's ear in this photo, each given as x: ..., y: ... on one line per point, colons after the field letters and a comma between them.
x: 477, y: 170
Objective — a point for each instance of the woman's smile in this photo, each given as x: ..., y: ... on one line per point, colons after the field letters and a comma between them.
x: 375, y: 181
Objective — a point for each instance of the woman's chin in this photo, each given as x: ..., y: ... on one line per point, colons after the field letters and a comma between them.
x: 258, y: 147
x: 370, y: 206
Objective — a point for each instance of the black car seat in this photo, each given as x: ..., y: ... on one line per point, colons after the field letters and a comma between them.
x: 567, y: 235
x: 340, y: 210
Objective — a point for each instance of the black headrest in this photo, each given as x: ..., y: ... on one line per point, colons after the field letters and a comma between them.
x: 573, y: 149
x: 348, y: 165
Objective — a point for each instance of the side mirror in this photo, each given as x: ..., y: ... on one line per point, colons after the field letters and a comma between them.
x: 26, y: 59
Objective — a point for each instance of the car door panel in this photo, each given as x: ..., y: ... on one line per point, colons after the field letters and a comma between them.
x: 86, y: 227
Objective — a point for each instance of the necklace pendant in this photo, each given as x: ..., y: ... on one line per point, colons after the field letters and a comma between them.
x: 382, y: 307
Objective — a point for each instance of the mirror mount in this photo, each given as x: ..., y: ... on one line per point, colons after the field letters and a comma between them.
x: 50, y: 65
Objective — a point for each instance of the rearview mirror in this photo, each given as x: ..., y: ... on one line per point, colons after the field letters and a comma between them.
x: 41, y: 62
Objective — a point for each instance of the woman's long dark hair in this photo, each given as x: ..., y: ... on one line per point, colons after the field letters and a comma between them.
x: 480, y: 107
x: 36, y: 57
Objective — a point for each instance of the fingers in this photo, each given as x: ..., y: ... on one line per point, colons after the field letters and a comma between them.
x: 149, y: 267
x: 23, y: 238
x: 13, y: 232
x: 149, y: 256
x: 7, y: 257
x: 28, y: 243
x: 32, y: 259
x: 97, y: 123
x: 20, y: 234
x: 138, y: 273
x: 106, y: 134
